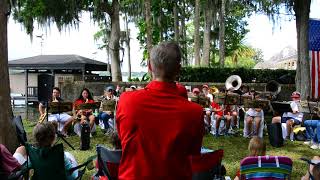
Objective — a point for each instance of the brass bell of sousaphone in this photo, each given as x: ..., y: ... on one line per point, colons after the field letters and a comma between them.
x: 233, y: 83
x: 273, y: 87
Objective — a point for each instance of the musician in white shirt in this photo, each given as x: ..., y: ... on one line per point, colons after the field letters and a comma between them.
x: 205, y: 90
x: 291, y: 118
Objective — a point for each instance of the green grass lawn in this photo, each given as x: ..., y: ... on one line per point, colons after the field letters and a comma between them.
x: 235, y: 148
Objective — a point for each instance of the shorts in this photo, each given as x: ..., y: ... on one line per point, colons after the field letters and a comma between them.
x: 61, y: 118
x: 19, y: 157
x: 285, y: 119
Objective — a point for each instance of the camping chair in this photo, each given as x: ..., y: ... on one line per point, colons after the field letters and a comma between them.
x: 266, y: 167
x: 108, y: 163
x: 49, y: 163
x: 207, y: 165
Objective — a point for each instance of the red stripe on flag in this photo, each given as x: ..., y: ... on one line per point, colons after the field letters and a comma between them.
x: 318, y: 73
x: 313, y: 67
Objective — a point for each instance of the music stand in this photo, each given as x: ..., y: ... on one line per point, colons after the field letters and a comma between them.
x: 281, y: 107
x: 58, y: 108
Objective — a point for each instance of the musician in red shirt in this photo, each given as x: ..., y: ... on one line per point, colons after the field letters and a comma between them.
x: 158, y: 128
x: 84, y: 114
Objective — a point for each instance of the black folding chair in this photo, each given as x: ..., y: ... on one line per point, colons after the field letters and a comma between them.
x: 107, y: 159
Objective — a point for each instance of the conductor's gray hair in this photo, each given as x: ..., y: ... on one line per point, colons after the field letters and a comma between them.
x: 165, y: 60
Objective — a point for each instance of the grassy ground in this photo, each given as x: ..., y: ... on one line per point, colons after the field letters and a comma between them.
x: 235, y: 148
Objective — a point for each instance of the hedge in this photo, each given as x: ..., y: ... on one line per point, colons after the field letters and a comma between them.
x: 203, y: 74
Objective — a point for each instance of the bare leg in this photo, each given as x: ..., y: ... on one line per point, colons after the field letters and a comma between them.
x: 67, y: 125
x: 249, y: 121
x: 257, y: 121
x: 91, y: 121
x: 228, y: 119
x: 22, y: 150
x: 290, y: 123
x: 235, y: 118
x: 218, y: 119
x: 276, y: 119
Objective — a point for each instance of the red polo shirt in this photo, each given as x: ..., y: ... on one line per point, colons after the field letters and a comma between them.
x: 159, y: 130
x: 216, y: 106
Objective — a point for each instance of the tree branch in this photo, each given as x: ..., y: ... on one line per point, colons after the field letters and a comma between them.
x: 105, y: 7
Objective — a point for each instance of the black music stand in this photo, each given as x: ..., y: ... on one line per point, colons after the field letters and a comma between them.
x: 58, y: 108
x: 281, y: 107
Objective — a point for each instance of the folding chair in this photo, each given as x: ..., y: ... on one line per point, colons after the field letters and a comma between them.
x: 207, y: 165
x: 265, y: 167
x: 108, y: 163
x: 49, y: 163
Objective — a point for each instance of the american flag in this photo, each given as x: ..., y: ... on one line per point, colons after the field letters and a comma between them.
x: 314, y: 50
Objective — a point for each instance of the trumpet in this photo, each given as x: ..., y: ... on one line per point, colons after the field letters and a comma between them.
x: 214, y: 90
x: 43, y: 116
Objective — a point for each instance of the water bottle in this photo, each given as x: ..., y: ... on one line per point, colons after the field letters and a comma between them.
x: 96, y: 113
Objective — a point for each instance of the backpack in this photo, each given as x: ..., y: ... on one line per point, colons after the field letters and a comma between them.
x: 275, y: 134
x: 300, y: 134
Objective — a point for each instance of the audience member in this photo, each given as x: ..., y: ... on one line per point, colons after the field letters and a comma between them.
x: 159, y: 129
x: 257, y: 147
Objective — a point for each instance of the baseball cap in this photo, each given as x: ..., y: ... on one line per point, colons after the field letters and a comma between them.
x: 109, y: 88
x: 196, y: 90
x: 295, y: 94
x: 205, y: 86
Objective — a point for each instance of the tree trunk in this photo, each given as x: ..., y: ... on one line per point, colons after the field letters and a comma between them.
x: 176, y: 22
x: 114, y: 42
x: 128, y: 45
x: 303, y: 81
x: 197, y: 33
x: 8, y: 135
x: 222, y: 32
x: 209, y: 9
x: 183, y: 34
x: 147, y: 4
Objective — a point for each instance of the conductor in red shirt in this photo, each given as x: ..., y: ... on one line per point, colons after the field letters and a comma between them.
x: 159, y: 129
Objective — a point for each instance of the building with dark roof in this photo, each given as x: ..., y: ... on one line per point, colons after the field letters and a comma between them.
x: 27, y: 74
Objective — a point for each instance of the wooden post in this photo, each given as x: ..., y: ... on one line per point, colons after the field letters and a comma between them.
x: 26, y: 86
x: 83, y: 73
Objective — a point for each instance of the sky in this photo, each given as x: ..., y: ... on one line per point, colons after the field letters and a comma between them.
x: 270, y: 38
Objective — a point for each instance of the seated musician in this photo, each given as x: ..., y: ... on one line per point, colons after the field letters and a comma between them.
x: 63, y: 119
x: 218, y: 114
x: 253, y: 116
x: 231, y: 114
x: 291, y: 118
x: 205, y: 91
x: 106, y: 115
x: 84, y: 114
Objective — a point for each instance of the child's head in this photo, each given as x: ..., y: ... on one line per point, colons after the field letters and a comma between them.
x: 115, y: 141
x: 257, y: 147
x: 316, y: 172
x: 44, y: 134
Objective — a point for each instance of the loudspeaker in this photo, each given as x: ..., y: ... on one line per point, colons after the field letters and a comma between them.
x: 85, y: 137
x: 45, y: 85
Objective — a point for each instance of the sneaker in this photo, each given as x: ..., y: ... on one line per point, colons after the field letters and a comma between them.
x: 314, y: 146
x: 90, y: 135
x: 307, y: 143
